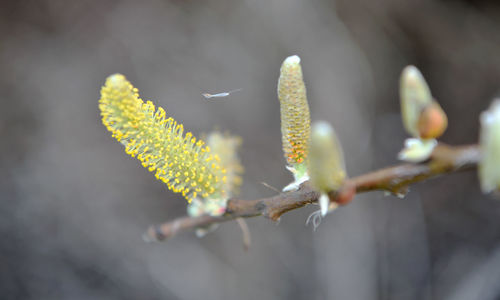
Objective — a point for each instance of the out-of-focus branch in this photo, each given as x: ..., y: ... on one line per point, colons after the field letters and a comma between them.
x: 396, y: 179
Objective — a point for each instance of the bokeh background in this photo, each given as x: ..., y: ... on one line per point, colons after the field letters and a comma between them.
x: 73, y: 205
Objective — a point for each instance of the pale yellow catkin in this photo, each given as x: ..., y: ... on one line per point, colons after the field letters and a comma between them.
x: 295, y: 116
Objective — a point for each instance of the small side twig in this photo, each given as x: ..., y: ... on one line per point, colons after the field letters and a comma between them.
x: 445, y: 159
x: 245, y: 231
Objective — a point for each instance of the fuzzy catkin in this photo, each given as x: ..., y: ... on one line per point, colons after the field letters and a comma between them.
x: 326, y: 160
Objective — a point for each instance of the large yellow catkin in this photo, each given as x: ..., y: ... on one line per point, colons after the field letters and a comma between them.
x: 295, y: 116
x: 326, y: 164
x: 159, y: 142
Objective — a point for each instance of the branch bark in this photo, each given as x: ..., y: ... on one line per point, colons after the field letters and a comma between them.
x: 396, y: 179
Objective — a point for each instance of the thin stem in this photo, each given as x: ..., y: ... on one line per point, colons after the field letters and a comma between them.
x: 396, y: 179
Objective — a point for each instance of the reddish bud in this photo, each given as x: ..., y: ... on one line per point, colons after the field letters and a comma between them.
x: 346, y: 193
x: 432, y: 121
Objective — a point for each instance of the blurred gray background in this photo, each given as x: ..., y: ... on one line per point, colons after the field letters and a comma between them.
x: 73, y: 205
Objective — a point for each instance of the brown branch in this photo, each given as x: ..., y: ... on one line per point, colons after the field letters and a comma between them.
x: 445, y: 159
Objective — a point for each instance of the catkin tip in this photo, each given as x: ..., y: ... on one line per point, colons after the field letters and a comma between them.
x: 294, y: 59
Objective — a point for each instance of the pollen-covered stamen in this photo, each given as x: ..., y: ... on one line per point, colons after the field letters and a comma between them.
x: 178, y: 159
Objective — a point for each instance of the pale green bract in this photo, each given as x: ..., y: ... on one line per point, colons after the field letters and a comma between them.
x: 414, y: 95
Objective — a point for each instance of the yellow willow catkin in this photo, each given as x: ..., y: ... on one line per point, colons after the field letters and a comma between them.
x: 295, y: 116
x: 184, y: 164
